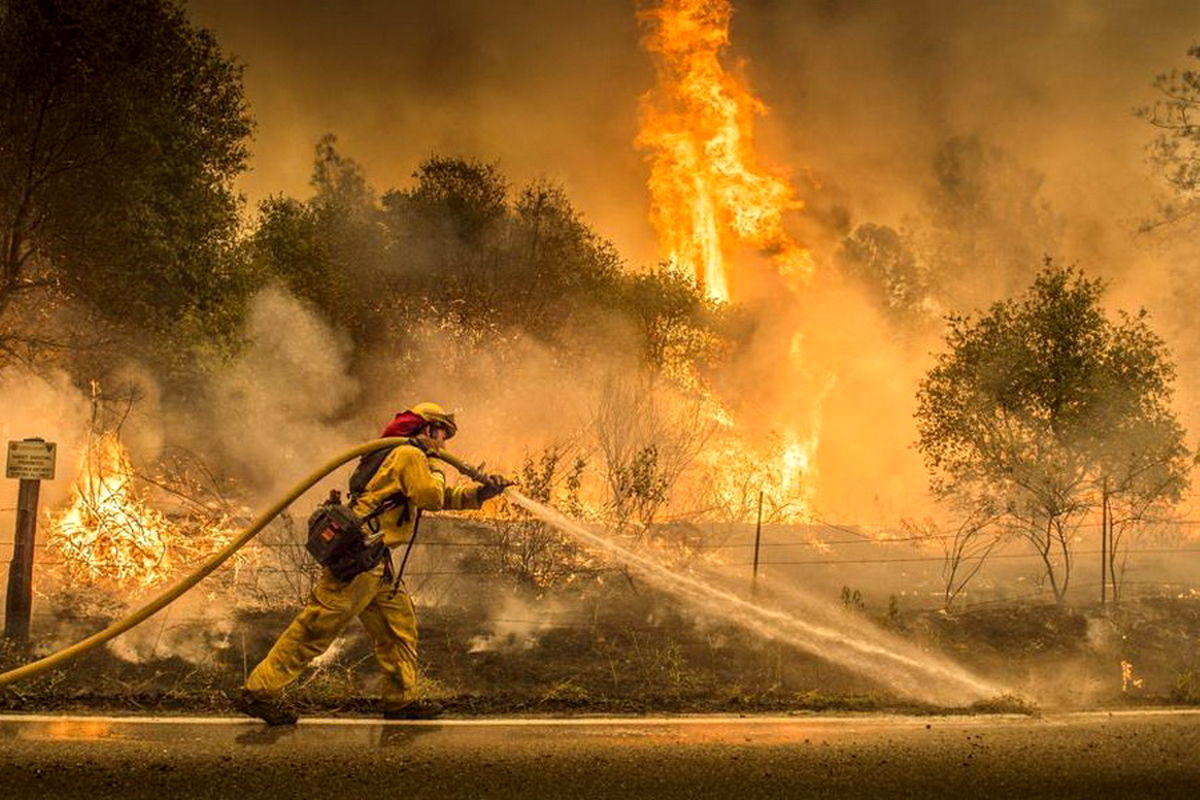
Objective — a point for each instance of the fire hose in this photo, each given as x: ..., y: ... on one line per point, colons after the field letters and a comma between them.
x: 175, y: 592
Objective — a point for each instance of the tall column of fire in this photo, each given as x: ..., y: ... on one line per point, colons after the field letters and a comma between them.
x: 707, y: 187
x: 711, y: 196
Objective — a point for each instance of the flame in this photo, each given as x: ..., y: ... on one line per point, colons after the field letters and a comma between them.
x: 710, y: 192
x: 707, y: 188
x: 780, y: 469
x: 780, y: 465
x: 109, y: 535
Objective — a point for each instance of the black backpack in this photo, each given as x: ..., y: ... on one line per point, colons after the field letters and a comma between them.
x: 337, y: 537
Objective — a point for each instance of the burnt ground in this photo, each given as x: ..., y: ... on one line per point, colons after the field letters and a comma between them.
x: 549, y: 632
x: 647, y: 656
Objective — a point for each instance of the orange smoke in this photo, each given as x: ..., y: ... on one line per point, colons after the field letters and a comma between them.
x: 707, y: 187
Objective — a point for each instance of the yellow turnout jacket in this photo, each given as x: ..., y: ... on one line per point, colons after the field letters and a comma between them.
x: 406, y: 471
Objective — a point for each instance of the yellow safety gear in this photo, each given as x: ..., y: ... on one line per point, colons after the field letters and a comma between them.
x: 382, y: 605
x: 386, y: 611
x: 406, y: 471
x: 435, y: 414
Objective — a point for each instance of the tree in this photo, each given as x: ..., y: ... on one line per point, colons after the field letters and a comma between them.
x: 1143, y: 463
x: 1175, y: 150
x: 964, y: 552
x: 985, y: 216
x: 454, y: 254
x: 332, y: 249
x: 882, y: 261
x: 121, y: 127
x: 1040, y: 408
x: 466, y: 197
x: 449, y: 232
x: 645, y: 444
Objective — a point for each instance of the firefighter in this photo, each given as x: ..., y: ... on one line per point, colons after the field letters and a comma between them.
x: 377, y: 596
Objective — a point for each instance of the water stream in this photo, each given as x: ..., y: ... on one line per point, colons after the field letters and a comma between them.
x: 826, y: 630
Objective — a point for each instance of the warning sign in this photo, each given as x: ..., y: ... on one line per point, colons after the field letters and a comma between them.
x: 31, y: 460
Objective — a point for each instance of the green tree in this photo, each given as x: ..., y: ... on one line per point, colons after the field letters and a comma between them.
x: 121, y: 127
x: 1174, y: 152
x: 453, y: 253
x: 1042, y: 411
x: 465, y: 197
x: 331, y: 249
x: 449, y: 230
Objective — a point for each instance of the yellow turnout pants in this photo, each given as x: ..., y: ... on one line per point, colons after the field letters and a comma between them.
x: 388, y: 618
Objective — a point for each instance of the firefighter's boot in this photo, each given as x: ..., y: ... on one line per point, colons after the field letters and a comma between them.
x: 271, y: 712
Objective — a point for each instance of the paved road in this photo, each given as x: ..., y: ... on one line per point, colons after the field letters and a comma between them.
x: 1143, y: 755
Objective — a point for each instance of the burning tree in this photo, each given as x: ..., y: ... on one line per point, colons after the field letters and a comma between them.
x: 1043, y: 412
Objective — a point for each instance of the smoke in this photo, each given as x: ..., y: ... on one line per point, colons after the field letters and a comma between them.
x: 494, y: 81
x: 864, y: 98
x: 859, y: 647
x: 194, y: 629
x: 46, y: 406
x: 861, y: 94
x: 516, y: 623
x: 279, y: 407
x: 513, y: 395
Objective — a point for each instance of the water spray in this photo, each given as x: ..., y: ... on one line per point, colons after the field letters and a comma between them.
x: 867, y: 651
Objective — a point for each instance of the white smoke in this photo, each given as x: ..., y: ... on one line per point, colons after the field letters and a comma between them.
x: 272, y: 411
x: 517, y: 623
x: 193, y: 629
x: 46, y: 406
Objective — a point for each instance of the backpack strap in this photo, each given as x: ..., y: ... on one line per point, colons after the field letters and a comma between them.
x: 399, y: 577
x: 368, y: 467
x: 397, y: 500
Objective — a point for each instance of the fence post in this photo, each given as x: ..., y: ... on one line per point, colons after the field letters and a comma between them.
x: 30, y: 461
x: 757, y: 541
x: 1104, y: 543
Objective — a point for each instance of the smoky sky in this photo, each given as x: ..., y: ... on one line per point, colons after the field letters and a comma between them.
x: 860, y: 93
x: 548, y: 89
x: 860, y: 96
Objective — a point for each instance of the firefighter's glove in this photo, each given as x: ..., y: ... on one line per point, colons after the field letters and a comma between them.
x: 494, y: 485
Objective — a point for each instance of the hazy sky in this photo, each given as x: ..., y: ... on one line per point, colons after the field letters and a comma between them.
x: 861, y: 92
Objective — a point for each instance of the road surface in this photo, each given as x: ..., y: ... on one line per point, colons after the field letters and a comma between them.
x: 1097, y: 755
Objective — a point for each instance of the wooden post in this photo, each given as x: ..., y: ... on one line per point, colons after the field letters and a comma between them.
x: 18, y: 603
x: 31, y: 461
x: 757, y: 541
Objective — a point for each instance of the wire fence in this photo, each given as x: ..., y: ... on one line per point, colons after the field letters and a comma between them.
x: 550, y: 622
x: 296, y: 546
x: 287, y: 560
